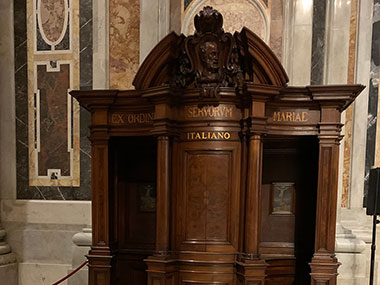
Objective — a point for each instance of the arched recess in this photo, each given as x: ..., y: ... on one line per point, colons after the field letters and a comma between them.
x: 156, y: 70
x: 197, y: 6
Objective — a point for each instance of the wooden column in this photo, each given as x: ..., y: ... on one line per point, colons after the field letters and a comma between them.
x: 162, y: 266
x: 251, y: 268
x: 253, y: 198
x: 163, y: 198
x: 100, y: 254
x: 324, y: 264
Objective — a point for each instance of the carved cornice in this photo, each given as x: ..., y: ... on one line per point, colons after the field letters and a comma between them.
x: 261, y: 92
x: 340, y: 96
x: 95, y: 99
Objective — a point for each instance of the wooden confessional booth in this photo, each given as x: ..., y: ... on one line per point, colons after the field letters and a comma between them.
x: 213, y: 170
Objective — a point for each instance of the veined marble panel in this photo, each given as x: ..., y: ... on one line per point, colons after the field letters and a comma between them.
x: 373, y: 98
x: 124, y: 42
x: 360, y: 115
x: 53, y: 20
x: 53, y: 122
x: 347, y: 143
x: 319, y: 42
x: 74, y: 47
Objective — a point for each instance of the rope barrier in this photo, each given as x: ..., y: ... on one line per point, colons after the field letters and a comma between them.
x: 71, y: 273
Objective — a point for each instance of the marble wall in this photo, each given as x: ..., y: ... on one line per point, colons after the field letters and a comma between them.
x: 53, y: 54
x: 297, y: 40
x: 373, y: 125
x: 318, y: 42
x: 277, y: 27
x: 43, y: 242
x: 264, y: 18
x: 124, y: 25
x: 347, y: 142
x: 236, y: 14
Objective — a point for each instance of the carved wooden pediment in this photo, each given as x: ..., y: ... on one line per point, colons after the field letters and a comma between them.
x: 213, y: 56
x: 210, y: 59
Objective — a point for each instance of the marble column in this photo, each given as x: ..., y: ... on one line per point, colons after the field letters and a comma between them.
x: 298, y: 40
x: 353, y: 227
x: 8, y: 263
x: 100, y: 44
x: 154, y: 24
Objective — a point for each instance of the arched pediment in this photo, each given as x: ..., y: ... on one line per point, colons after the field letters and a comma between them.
x: 180, y: 60
x: 267, y: 68
x: 154, y: 71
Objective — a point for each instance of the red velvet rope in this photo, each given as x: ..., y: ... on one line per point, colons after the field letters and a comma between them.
x: 71, y: 273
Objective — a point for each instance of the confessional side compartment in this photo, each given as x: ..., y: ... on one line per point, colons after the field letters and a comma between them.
x: 288, y: 214
x: 207, y: 186
x: 132, y: 206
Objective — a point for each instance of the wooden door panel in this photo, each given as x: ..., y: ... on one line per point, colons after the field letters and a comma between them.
x: 207, y: 197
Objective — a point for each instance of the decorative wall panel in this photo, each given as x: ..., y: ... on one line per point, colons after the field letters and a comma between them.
x: 52, y: 73
x: 52, y: 38
x: 53, y: 25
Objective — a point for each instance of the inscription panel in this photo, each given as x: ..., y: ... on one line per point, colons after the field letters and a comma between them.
x: 144, y: 118
x: 293, y: 116
x: 221, y: 112
x: 208, y: 135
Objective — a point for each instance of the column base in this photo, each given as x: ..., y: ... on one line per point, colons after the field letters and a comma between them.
x: 161, y: 271
x: 251, y: 272
x: 324, y: 269
x: 100, y: 265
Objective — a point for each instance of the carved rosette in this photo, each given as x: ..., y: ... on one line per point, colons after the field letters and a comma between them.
x: 210, y: 58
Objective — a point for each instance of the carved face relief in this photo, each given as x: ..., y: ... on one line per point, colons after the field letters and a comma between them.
x: 210, y: 56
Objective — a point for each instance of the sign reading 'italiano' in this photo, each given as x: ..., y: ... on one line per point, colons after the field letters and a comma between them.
x: 208, y: 135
